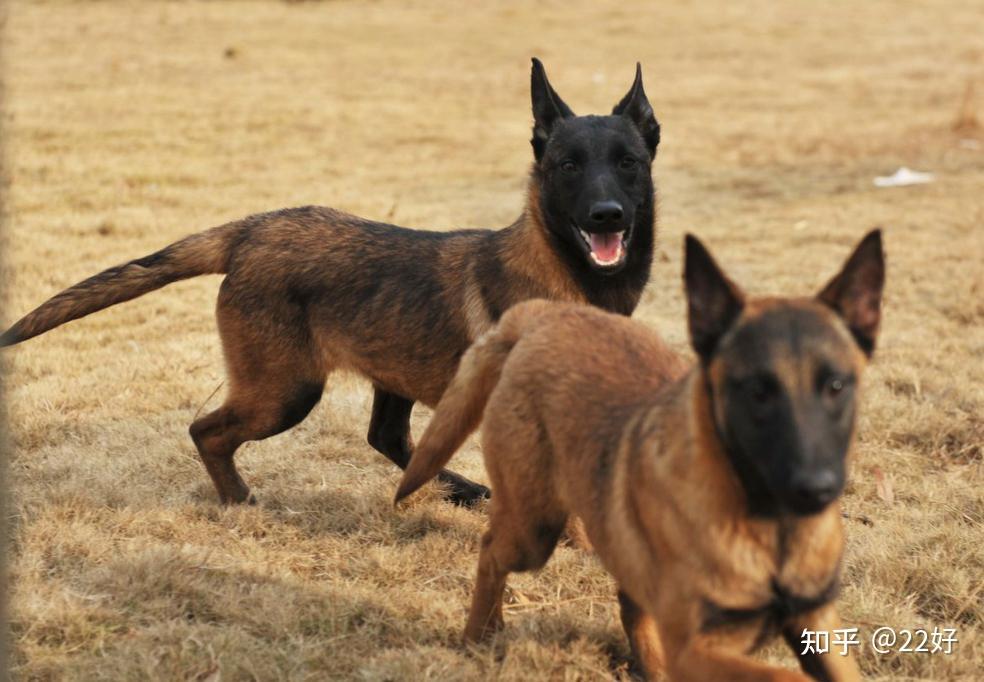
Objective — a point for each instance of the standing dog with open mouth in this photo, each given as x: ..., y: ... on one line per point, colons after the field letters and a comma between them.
x: 312, y: 290
x: 708, y: 492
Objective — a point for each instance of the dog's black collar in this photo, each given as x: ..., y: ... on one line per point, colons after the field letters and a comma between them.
x: 780, y: 609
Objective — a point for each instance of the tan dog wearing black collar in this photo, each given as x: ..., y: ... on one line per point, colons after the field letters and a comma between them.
x: 709, y: 492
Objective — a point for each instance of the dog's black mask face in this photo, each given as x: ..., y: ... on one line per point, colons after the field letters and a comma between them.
x: 785, y: 403
x: 595, y: 182
x: 781, y: 376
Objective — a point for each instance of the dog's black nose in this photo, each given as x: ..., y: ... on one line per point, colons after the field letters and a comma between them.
x: 604, y: 212
x: 812, y: 491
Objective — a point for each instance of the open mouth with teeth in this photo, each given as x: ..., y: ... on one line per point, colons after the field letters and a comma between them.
x: 606, y: 250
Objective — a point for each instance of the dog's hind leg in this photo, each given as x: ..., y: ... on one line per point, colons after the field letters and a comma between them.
x: 485, y: 616
x: 389, y: 434
x: 216, y: 441
x: 254, y: 414
x: 526, y: 517
x: 519, y: 539
x: 640, y: 627
x: 275, y: 380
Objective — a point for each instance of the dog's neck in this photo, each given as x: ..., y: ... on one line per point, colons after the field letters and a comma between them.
x: 526, y: 250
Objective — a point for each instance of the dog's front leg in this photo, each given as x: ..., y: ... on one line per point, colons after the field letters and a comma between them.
x: 703, y: 659
x: 647, y: 650
x: 827, y: 667
x: 389, y: 434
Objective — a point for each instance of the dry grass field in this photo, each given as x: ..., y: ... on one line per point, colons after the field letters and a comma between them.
x: 130, y: 124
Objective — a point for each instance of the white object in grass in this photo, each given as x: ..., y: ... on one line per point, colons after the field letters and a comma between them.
x: 903, y: 177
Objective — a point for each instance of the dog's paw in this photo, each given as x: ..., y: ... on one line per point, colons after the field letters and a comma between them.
x: 462, y: 492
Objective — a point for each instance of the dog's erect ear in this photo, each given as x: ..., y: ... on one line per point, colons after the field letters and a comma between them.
x: 714, y: 302
x: 855, y: 293
x: 548, y: 108
x: 635, y: 106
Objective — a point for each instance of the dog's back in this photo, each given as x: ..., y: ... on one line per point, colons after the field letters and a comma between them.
x: 551, y: 370
x: 580, y: 376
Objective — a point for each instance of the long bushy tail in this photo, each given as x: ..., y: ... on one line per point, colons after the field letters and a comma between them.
x: 460, y: 409
x: 200, y: 254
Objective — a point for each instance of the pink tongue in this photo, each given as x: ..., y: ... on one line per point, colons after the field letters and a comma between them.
x: 605, y: 246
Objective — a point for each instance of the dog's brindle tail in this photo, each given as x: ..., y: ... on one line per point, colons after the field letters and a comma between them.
x: 460, y: 409
x: 199, y: 254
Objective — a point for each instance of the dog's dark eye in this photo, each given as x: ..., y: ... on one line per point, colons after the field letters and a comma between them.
x: 568, y: 166
x: 834, y: 386
x: 628, y: 163
x: 761, y: 391
x: 759, y: 394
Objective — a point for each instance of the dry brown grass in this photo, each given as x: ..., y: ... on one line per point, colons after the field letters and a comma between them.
x: 131, y: 124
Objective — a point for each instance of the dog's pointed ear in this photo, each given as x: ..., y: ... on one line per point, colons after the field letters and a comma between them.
x: 855, y: 293
x: 635, y: 106
x: 714, y: 302
x: 548, y: 108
